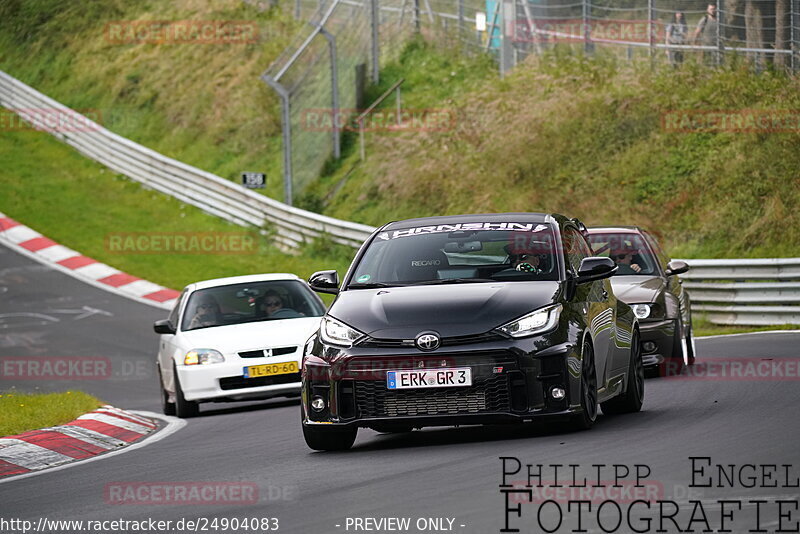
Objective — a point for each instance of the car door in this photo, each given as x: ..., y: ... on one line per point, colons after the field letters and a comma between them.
x: 594, y: 297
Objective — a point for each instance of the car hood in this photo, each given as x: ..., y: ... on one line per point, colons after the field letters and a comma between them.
x: 451, y: 310
x: 636, y: 289
x: 252, y: 336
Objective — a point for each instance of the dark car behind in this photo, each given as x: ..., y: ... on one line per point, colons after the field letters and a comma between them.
x: 647, y: 279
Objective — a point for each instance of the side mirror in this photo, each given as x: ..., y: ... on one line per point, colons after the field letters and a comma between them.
x: 325, y: 282
x: 676, y: 267
x: 163, y: 327
x: 596, y: 268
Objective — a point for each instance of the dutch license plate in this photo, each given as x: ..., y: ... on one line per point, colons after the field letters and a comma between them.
x: 429, y: 378
x: 270, y: 369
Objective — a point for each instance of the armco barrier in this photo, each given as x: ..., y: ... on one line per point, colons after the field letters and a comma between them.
x: 743, y: 292
x: 207, y: 191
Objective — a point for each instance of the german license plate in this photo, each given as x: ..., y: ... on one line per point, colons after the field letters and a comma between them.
x: 270, y: 369
x: 429, y: 378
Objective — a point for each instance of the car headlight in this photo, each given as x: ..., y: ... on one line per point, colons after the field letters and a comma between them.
x: 537, y: 322
x: 337, y: 333
x: 641, y: 311
x: 203, y: 357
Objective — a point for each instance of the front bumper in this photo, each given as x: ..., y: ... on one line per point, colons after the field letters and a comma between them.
x: 225, y: 381
x: 511, y: 383
x: 662, y: 334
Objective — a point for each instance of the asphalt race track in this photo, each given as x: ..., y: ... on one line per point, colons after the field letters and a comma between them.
x: 437, y: 473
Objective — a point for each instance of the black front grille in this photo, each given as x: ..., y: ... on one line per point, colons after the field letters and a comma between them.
x: 240, y: 382
x: 446, y: 342
x: 252, y: 354
x: 486, y: 395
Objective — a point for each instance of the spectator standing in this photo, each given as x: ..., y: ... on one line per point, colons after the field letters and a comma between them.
x: 706, y: 33
x: 677, y: 31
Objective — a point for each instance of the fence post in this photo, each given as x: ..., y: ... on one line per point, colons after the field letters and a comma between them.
x: 286, y: 130
x: 416, y: 16
x: 793, y: 32
x: 719, y: 33
x: 587, y: 7
x: 362, y: 151
x: 297, y: 9
x: 651, y: 35
x: 460, y: 16
x: 399, y: 107
x: 337, y: 148
x: 532, y: 29
x: 491, y: 26
x: 375, y: 15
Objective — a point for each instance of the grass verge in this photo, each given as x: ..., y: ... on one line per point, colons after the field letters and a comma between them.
x: 23, y: 412
x: 82, y: 205
x: 590, y: 137
x: 198, y: 100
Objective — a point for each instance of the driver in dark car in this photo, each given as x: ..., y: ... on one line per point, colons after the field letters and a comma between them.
x: 524, y: 262
x: 624, y: 259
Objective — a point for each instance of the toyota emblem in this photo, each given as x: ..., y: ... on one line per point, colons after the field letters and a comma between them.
x: 427, y: 341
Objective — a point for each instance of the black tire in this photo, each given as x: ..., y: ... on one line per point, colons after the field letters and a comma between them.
x: 323, y: 438
x: 183, y: 408
x: 585, y: 420
x: 630, y: 401
x: 167, y: 407
x: 673, y: 365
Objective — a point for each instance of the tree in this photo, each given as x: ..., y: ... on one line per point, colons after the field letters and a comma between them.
x: 754, y: 29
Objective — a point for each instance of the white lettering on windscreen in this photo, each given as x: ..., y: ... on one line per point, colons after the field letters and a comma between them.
x: 462, y: 227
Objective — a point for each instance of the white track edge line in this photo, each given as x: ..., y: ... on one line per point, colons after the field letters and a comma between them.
x: 750, y: 334
x: 73, y: 274
x: 173, y: 425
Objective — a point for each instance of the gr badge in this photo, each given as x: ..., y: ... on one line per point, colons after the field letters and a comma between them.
x: 254, y: 180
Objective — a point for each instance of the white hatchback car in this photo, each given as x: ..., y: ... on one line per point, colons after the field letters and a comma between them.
x: 234, y: 339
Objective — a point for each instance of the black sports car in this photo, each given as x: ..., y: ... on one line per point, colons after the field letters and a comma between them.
x: 647, y: 280
x: 470, y: 319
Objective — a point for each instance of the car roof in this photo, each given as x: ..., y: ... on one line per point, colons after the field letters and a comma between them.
x: 471, y: 218
x: 615, y: 229
x: 246, y: 279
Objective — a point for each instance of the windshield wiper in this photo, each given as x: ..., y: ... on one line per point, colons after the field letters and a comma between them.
x: 369, y: 285
x: 453, y: 281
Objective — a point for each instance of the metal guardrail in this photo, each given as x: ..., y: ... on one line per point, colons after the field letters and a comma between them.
x: 209, y: 192
x: 733, y: 292
x: 745, y: 291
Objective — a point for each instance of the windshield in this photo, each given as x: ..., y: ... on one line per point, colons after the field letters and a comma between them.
x: 629, y: 251
x: 245, y: 303
x: 439, y: 255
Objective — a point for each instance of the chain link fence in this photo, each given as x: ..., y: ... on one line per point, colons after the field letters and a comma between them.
x: 321, y: 77
x: 764, y: 31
